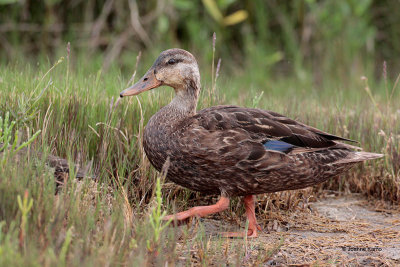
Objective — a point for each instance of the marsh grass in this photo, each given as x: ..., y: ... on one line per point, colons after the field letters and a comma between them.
x: 109, y: 221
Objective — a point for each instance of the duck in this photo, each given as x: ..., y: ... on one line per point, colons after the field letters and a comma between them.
x: 233, y: 151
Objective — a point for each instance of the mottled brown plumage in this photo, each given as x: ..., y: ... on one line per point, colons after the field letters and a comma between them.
x: 61, y: 166
x: 230, y: 150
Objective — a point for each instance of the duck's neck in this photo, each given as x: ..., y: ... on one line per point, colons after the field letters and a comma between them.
x: 185, y: 100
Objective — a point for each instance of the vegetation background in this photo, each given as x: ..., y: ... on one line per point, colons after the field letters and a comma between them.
x: 301, y: 37
x: 331, y: 64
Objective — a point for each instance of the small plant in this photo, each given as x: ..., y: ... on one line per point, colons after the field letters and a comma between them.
x: 65, y: 246
x: 6, y: 134
x: 25, y: 205
x: 156, y: 219
x: 256, y: 99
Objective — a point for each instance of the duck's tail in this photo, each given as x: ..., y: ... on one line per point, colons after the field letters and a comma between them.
x: 358, y: 157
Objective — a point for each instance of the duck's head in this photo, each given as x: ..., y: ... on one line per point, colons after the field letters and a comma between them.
x: 176, y: 68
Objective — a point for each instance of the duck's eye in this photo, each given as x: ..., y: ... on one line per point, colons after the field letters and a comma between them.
x: 171, y: 61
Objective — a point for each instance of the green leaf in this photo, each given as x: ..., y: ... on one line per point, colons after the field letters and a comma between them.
x: 235, y: 18
x: 213, y: 9
x: 273, y: 58
x: 163, y: 24
x: 30, y: 140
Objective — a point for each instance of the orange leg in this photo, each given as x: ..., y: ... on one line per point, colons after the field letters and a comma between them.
x: 251, y: 217
x: 199, y: 211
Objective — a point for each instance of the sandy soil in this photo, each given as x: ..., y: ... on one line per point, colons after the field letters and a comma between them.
x: 333, y: 231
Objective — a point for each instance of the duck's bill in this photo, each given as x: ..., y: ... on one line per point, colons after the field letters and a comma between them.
x: 147, y: 82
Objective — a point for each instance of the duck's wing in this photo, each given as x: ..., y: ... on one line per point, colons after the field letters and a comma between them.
x: 234, y: 139
x: 271, y: 129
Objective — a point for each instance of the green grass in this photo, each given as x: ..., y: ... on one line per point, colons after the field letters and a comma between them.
x: 75, y: 107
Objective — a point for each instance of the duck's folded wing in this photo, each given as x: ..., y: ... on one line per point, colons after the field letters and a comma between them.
x: 226, y: 150
x: 245, y: 139
x: 262, y: 126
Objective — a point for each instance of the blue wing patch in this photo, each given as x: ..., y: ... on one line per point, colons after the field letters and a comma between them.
x: 278, y: 146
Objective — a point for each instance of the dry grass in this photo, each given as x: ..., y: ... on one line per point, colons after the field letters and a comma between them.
x: 303, y: 237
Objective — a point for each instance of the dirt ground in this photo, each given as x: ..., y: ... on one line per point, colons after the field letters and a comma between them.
x: 334, y: 231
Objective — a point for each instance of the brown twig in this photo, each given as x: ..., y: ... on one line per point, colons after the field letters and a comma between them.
x: 100, y: 22
x: 114, y: 51
x: 136, y: 25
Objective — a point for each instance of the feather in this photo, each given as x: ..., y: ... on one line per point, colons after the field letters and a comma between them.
x: 278, y: 146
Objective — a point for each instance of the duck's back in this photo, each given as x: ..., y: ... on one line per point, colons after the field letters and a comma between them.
x: 241, y: 151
